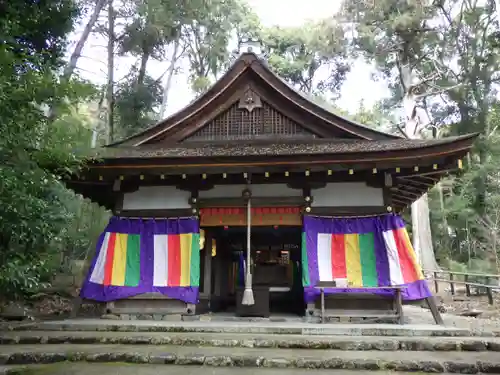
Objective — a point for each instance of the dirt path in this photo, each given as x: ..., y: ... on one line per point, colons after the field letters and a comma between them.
x: 488, y: 321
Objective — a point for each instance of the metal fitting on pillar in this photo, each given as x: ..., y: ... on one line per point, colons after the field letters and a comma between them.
x: 308, y: 202
x: 246, y: 194
x: 194, y: 203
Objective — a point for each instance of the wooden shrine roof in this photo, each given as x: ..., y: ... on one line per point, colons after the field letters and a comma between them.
x: 251, y: 120
x: 250, y: 75
x: 285, y: 148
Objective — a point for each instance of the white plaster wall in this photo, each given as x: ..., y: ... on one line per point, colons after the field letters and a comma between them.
x: 344, y: 194
x: 262, y: 191
x: 156, y: 197
x: 332, y: 195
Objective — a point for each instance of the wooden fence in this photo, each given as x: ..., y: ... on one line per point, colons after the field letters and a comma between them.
x: 483, y: 283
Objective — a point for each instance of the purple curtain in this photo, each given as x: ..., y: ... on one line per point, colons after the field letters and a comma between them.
x: 241, y: 269
x: 372, y: 228
x: 146, y: 229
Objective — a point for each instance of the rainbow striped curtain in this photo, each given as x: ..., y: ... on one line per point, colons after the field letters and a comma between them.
x: 141, y: 256
x: 118, y: 262
x: 360, y: 252
x: 173, y: 255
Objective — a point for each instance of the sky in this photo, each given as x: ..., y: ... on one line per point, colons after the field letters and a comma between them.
x: 358, y: 86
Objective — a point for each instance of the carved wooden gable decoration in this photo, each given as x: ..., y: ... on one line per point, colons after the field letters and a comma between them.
x: 250, y: 118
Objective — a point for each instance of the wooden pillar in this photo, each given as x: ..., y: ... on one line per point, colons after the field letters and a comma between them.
x: 387, y: 193
x: 207, y: 270
x: 217, y: 295
x: 489, y: 292
x: 398, y: 301
x: 224, y: 287
x: 120, y: 196
x: 218, y: 278
x: 431, y: 303
x: 467, y: 286
x: 436, y: 283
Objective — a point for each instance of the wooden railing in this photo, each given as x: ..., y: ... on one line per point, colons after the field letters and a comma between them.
x: 481, y: 282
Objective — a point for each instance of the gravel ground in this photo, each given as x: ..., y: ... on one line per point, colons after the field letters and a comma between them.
x: 488, y: 320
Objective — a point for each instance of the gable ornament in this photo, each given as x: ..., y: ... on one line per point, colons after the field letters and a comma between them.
x: 249, y: 100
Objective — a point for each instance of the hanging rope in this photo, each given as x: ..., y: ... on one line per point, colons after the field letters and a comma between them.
x: 248, y: 292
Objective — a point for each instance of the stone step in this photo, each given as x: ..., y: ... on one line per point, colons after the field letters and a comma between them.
x: 387, y: 343
x: 452, y: 362
x: 254, y: 328
x: 331, y: 316
x: 132, y: 369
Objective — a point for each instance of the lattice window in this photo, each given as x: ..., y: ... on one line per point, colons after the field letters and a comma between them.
x: 240, y: 124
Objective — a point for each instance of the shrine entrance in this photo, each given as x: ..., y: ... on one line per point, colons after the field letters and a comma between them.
x: 275, y: 267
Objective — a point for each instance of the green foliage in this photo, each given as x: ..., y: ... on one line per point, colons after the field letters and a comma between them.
x: 450, y: 51
x: 134, y: 104
x: 31, y: 35
x: 34, y: 151
x: 394, y: 34
x: 472, y: 203
x: 375, y: 117
x: 203, y: 29
x: 476, y: 232
x: 78, y: 238
x: 206, y: 32
x: 298, y: 54
x: 246, y: 22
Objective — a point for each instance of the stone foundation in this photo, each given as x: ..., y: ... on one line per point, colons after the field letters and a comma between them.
x: 338, y: 309
x: 233, y: 318
x: 150, y: 306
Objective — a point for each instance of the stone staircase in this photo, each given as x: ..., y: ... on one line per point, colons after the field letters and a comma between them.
x: 279, y: 347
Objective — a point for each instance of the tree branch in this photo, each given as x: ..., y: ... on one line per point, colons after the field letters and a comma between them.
x: 438, y: 92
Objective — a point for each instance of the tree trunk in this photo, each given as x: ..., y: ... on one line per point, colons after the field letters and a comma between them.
x: 415, y: 230
x: 139, y: 83
x: 111, y: 69
x: 142, y: 69
x: 421, y: 226
x: 168, y: 82
x: 422, y: 237
x: 444, y: 220
x: 77, y: 52
x: 99, y: 127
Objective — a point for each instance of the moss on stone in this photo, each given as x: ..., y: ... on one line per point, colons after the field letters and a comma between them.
x: 60, y: 368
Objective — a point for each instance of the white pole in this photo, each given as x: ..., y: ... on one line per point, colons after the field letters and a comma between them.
x: 248, y: 292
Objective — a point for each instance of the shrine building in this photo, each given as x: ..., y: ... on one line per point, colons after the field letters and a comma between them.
x: 253, y: 188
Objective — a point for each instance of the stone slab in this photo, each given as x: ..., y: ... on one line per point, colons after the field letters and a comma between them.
x: 388, y: 343
x: 453, y: 362
x: 252, y: 327
x: 130, y: 369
